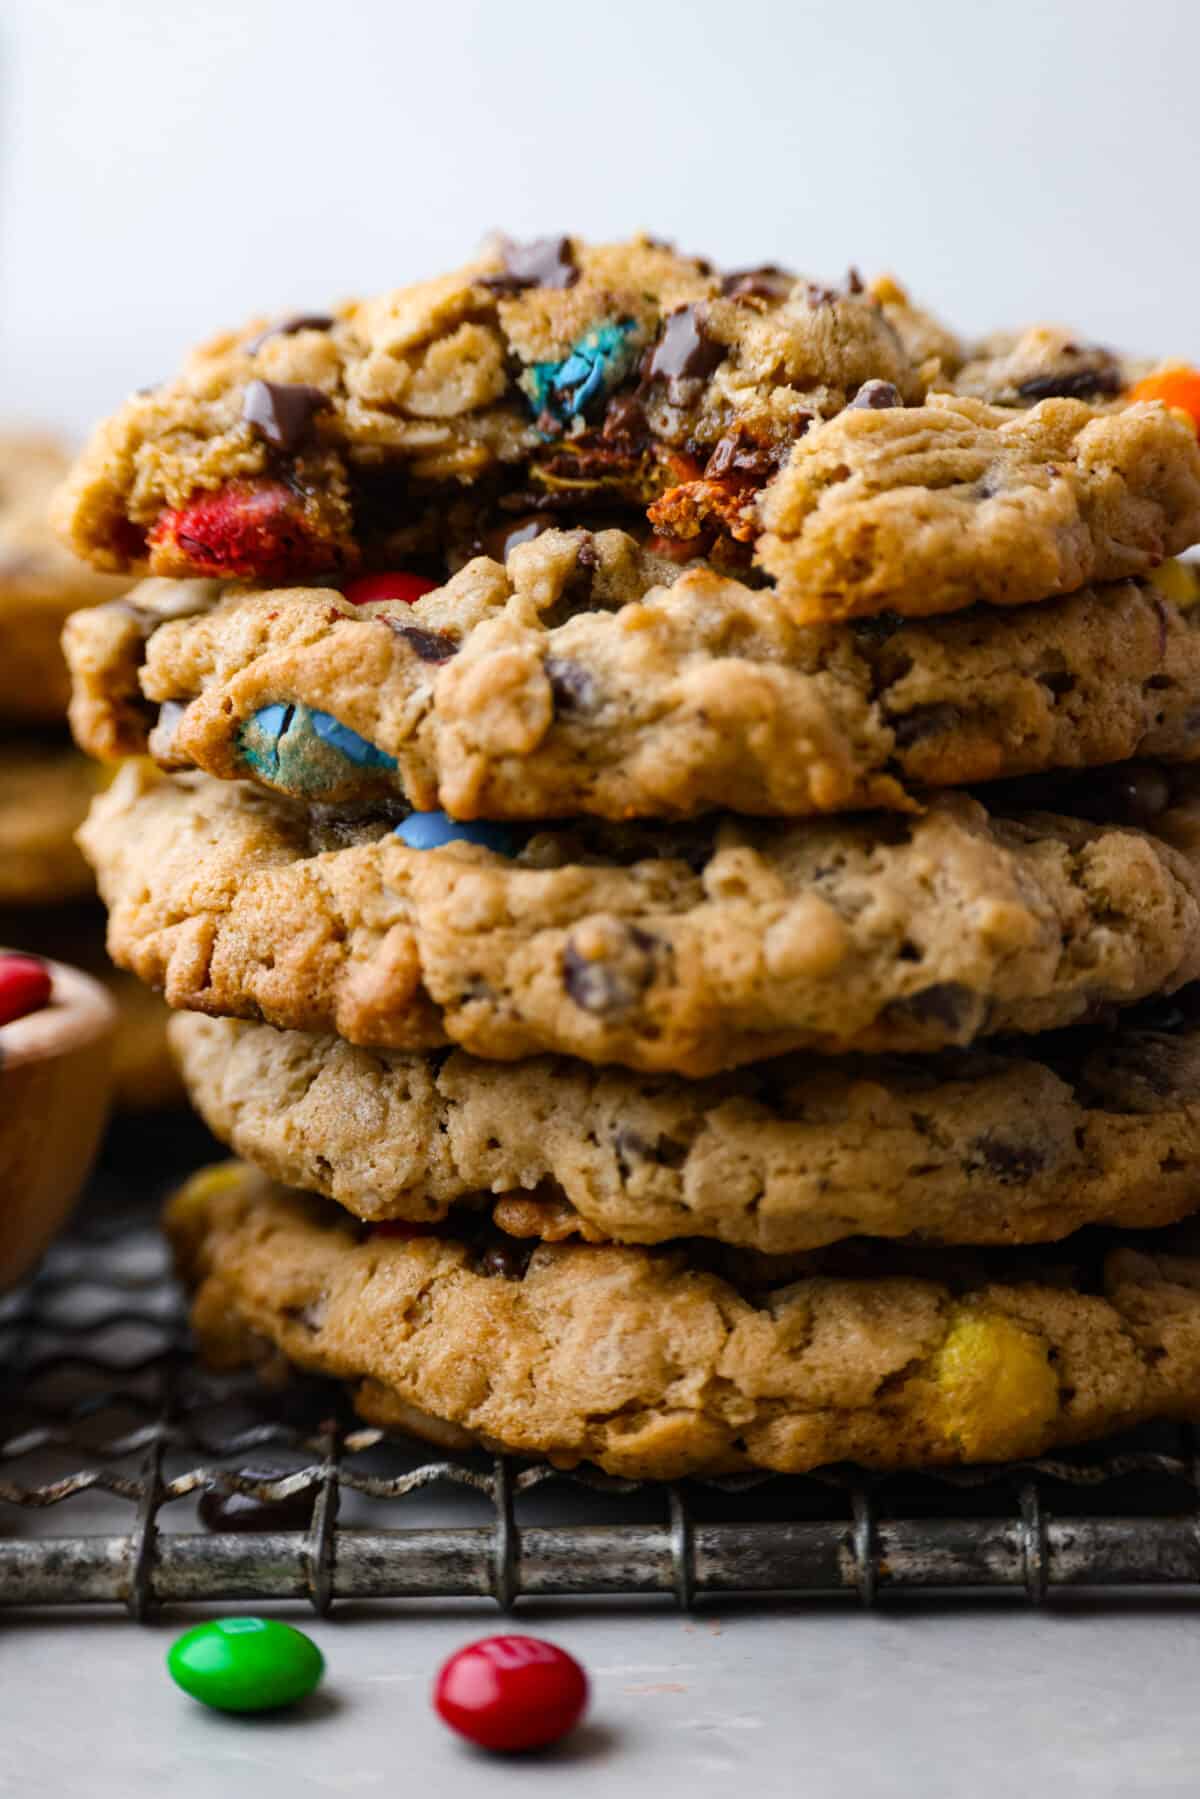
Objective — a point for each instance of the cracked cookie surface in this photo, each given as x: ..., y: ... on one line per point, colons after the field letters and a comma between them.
x: 690, y: 950
x: 653, y: 1365
x: 576, y: 680
x: 1021, y: 1143
x: 629, y: 381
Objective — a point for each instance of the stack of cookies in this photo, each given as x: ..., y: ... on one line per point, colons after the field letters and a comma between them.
x: 47, y: 894
x: 675, y: 851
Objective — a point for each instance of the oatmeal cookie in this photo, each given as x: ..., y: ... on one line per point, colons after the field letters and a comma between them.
x: 576, y: 680
x: 1022, y: 1143
x: 632, y: 382
x: 689, y: 948
x: 655, y: 1365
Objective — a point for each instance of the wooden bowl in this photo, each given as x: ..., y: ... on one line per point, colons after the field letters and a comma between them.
x: 55, y: 1083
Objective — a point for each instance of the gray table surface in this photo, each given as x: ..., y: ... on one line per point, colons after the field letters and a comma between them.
x: 984, y: 1699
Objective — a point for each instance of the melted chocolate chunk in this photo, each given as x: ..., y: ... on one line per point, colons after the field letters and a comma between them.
x: 505, y: 1259
x: 625, y: 419
x: 632, y: 1148
x: 1011, y: 1163
x: 571, y: 685
x: 604, y: 985
x: 876, y: 396
x: 546, y: 262
x: 303, y: 321
x: 768, y: 282
x: 925, y: 721
x: 283, y: 413
x: 1073, y: 384
x: 737, y: 454
x: 221, y: 1511
x: 430, y: 646
x: 684, y: 349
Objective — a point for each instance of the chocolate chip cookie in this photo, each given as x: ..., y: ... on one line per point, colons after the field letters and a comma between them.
x: 577, y: 679
x: 1022, y: 1143
x: 689, y: 948
x: 654, y: 1363
x: 754, y: 417
x: 40, y: 584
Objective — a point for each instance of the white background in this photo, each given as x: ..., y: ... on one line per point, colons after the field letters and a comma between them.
x: 168, y: 169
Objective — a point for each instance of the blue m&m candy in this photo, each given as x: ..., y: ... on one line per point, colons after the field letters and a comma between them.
x: 431, y: 830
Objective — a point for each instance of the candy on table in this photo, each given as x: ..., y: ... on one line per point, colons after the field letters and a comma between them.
x: 511, y: 1692
x: 25, y: 986
x: 430, y: 830
x: 245, y: 1664
x: 1175, y: 385
x: 394, y: 585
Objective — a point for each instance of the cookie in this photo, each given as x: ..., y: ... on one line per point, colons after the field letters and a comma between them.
x: 654, y: 1365
x: 45, y: 791
x: 630, y: 382
x: 40, y: 584
x: 646, y: 699
x: 687, y: 949
x: 1024, y: 1143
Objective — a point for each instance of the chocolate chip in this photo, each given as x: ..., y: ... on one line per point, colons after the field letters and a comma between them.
x: 925, y: 721
x: 1072, y: 384
x: 947, y: 1004
x: 737, y: 454
x: 605, y: 984
x: 625, y: 420
x: 1011, y: 1163
x: 430, y: 646
x: 1059, y: 683
x: 768, y: 282
x: 222, y: 1511
x: 546, y: 262
x: 854, y: 281
x: 303, y: 321
x: 876, y: 396
x: 282, y: 413
x: 505, y: 1260
x: 631, y: 1148
x: 684, y: 349
x: 879, y: 628
x: 816, y: 295
x: 571, y: 685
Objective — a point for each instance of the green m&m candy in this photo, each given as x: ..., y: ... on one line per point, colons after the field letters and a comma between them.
x: 245, y: 1664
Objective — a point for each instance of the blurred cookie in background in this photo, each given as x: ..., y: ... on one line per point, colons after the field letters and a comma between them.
x: 40, y: 582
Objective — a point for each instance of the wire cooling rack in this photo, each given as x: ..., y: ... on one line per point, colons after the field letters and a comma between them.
x: 111, y: 1433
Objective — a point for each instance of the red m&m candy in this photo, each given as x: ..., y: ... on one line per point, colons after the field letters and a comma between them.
x: 511, y: 1693
x: 395, y: 585
x: 24, y: 986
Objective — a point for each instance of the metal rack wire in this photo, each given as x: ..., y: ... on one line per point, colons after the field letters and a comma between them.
x: 105, y: 1415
